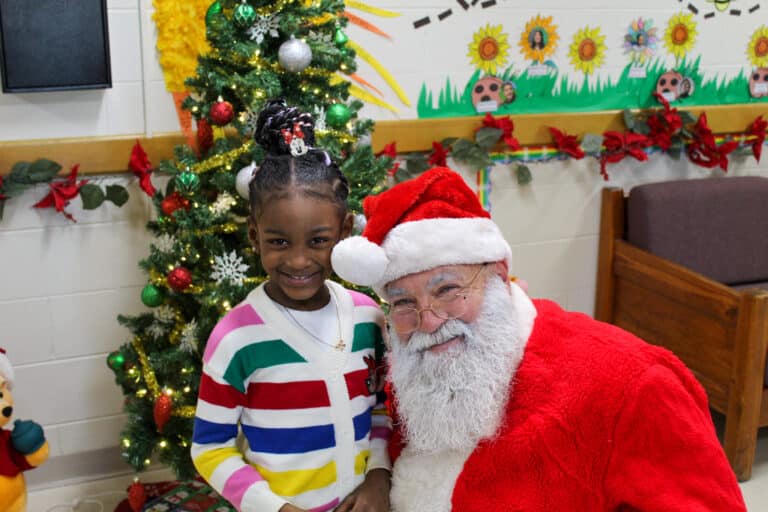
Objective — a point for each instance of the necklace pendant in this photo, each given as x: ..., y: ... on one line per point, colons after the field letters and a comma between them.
x: 340, y: 345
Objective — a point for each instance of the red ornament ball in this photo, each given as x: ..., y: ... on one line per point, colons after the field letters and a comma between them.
x: 137, y: 496
x: 179, y: 279
x: 162, y: 411
x: 222, y: 113
x: 204, y: 136
x: 173, y: 202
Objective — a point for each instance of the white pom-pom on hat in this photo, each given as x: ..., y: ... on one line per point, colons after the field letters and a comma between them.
x: 358, y: 260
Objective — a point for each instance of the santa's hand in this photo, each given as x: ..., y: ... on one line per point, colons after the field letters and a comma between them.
x: 371, y: 496
x: 27, y: 436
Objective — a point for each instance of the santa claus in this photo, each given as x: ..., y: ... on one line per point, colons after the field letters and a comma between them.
x: 510, y: 404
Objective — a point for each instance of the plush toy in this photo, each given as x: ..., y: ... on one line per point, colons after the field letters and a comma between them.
x: 21, y: 448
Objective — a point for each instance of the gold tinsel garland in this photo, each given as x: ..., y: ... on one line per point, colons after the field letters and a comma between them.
x: 222, y: 159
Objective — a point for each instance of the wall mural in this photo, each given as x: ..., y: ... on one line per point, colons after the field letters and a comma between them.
x: 661, y: 57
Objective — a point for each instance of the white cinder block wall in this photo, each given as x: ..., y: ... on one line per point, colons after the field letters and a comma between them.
x: 63, y: 284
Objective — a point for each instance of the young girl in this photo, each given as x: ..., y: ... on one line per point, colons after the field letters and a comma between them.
x: 295, y: 364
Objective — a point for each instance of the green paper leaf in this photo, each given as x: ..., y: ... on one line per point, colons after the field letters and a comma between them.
x: 20, y: 173
x: 676, y: 149
x: 448, y: 141
x: 117, y: 194
x: 641, y: 127
x: 687, y: 117
x: 487, y: 137
x: 470, y: 154
x: 523, y: 174
x: 416, y: 163
x: 43, y: 170
x: 629, y: 119
x: 12, y: 188
x: 592, y: 143
x: 92, y: 196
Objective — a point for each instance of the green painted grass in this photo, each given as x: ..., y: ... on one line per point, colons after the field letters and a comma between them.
x: 553, y: 93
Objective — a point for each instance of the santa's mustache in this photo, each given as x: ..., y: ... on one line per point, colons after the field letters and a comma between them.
x: 419, y: 342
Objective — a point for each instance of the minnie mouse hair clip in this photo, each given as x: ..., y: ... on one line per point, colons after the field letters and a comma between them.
x: 295, y: 140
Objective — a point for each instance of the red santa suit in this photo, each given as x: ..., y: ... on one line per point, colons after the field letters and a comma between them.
x: 597, y: 420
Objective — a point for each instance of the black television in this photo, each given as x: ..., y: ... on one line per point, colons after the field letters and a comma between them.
x: 54, y: 45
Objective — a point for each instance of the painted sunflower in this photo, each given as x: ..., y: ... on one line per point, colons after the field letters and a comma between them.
x: 539, y: 39
x: 488, y: 49
x: 680, y: 35
x: 641, y: 40
x: 587, y: 51
x: 757, y: 50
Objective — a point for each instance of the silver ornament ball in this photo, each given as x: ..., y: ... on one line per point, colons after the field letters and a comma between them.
x: 294, y: 55
x: 243, y: 180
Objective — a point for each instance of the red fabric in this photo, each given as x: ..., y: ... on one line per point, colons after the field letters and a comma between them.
x: 506, y: 126
x: 599, y: 421
x: 438, y: 193
x: 566, y: 143
x: 439, y: 155
x: 703, y: 150
x: 619, y: 145
x: 756, y: 129
x: 12, y: 462
x: 664, y: 125
x: 390, y: 150
x: 61, y: 192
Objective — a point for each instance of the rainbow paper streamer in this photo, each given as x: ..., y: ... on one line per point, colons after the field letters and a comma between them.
x: 484, y: 188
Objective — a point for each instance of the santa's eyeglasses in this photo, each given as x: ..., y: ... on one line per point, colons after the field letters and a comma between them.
x: 448, y: 303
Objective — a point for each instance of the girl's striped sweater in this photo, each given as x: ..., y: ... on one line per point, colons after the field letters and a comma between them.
x: 311, y: 422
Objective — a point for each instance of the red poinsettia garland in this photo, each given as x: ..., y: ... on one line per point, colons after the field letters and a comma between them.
x: 141, y: 167
x: 61, y: 192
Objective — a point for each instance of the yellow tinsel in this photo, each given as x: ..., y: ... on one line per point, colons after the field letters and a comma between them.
x: 223, y: 159
x: 146, y: 368
x: 180, y: 38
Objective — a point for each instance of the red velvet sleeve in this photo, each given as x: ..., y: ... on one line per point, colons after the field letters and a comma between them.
x: 666, y: 456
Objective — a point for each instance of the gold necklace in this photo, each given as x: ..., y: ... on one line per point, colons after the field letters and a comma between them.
x: 339, y: 345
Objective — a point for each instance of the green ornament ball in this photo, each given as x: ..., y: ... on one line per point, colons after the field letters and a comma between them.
x: 337, y: 115
x: 151, y: 296
x: 115, y: 360
x: 340, y: 38
x: 187, y: 182
x: 213, y: 11
x: 244, y: 15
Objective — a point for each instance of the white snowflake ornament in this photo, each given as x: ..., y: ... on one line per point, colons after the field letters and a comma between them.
x: 164, y: 314
x: 165, y: 243
x: 188, y: 338
x: 229, y: 267
x: 263, y: 26
x: 224, y: 202
x: 157, y: 330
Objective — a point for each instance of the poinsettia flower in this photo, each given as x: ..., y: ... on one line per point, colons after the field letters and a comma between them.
x: 439, y: 155
x: 664, y: 124
x: 142, y: 168
x: 620, y: 145
x: 506, y: 126
x: 756, y: 129
x: 704, y: 151
x: 2, y: 197
x: 390, y: 150
x: 61, y: 192
x: 566, y: 143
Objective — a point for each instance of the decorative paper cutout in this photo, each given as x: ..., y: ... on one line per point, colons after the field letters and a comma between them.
x: 673, y: 86
x: 641, y: 41
x: 757, y: 50
x: 680, y: 35
x: 488, y: 49
x: 587, y: 51
x: 539, y: 39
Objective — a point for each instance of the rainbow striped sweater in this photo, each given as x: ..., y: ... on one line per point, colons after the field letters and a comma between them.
x: 312, y: 422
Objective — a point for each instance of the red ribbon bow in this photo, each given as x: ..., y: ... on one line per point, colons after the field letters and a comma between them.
x: 567, y: 143
x: 439, y: 155
x: 61, y: 192
x: 506, y: 126
x: 390, y: 150
x: 142, y: 169
x: 620, y: 145
x: 704, y: 151
x: 288, y: 135
x: 756, y: 129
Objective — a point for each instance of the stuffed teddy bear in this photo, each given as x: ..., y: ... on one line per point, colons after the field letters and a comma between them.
x: 21, y: 448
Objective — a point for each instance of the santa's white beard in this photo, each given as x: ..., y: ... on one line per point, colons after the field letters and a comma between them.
x: 455, y: 398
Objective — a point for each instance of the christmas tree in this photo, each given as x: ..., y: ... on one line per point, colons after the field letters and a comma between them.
x: 200, y: 264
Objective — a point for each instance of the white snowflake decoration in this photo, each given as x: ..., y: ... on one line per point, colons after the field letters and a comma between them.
x: 165, y: 243
x: 321, y: 38
x: 250, y: 119
x: 157, y: 330
x: 320, y: 124
x: 263, y: 26
x: 164, y: 314
x: 229, y: 267
x: 188, y: 338
x: 224, y: 202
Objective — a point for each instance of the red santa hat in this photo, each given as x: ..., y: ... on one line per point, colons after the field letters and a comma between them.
x: 6, y: 370
x: 417, y: 225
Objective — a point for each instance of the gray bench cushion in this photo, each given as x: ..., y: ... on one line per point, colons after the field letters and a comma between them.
x: 715, y: 226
